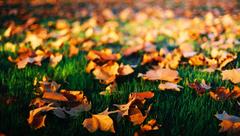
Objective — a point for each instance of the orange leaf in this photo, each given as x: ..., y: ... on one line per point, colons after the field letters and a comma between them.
x: 125, y: 70
x: 107, y: 73
x: 161, y: 74
x: 54, y: 96
x: 220, y: 94
x: 99, y: 121
x: 142, y: 95
x: 36, y: 119
x: 232, y: 75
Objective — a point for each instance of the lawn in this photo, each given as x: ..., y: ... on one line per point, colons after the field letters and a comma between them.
x: 181, y: 112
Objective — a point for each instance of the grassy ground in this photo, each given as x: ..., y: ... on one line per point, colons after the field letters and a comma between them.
x: 180, y: 113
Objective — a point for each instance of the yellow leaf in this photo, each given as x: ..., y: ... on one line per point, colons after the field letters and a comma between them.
x: 233, y: 75
x: 98, y: 121
x: 125, y: 69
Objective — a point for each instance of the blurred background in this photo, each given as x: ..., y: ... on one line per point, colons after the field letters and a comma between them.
x: 80, y: 8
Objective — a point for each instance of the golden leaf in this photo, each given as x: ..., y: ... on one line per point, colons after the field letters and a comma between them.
x: 233, y: 75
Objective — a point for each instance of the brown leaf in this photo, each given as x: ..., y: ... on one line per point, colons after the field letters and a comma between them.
x: 54, y: 96
x: 36, y: 119
x: 136, y: 116
x: 200, y: 88
x: 124, y: 108
x: 220, y: 94
x: 229, y: 124
x: 48, y: 86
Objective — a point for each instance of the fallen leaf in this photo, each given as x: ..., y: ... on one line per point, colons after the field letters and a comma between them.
x: 124, y: 108
x: 36, y: 119
x: 90, y: 66
x: 136, y: 116
x: 220, y: 94
x: 125, y: 70
x: 200, y: 88
x: 235, y: 93
x: 169, y: 86
x: 99, y: 121
x: 106, y: 73
x: 225, y: 116
x: 55, y: 59
x: 161, y: 74
x: 233, y: 75
x: 141, y: 95
x: 197, y: 60
x: 104, y: 55
x: 54, y: 96
x: 229, y: 124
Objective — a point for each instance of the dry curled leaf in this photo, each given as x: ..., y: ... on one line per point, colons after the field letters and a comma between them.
x: 136, y: 116
x: 124, y: 108
x: 63, y: 103
x: 36, y: 119
x: 47, y: 86
x: 200, y: 88
x: 99, y: 121
x: 106, y: 73
x: 229, y: 124
x: 222, y: 93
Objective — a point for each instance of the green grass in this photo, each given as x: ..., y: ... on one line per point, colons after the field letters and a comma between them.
x: 180, y: 113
